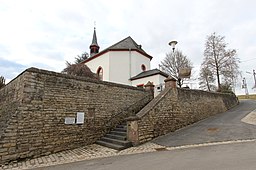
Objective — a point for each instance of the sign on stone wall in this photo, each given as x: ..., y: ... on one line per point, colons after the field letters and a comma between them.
x: 79, y: 117
x: 70, y: 120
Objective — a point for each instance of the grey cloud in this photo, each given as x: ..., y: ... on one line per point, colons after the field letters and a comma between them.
x: 4, y: 50
x: 45, y: 50
x: 42, y: 66
x: 10, y: 69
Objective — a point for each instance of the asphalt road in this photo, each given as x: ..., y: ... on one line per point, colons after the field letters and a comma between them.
x: 220, y: 157
x: 221, y: 127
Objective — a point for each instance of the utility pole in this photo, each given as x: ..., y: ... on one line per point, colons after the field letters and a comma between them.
x: 254, y: 76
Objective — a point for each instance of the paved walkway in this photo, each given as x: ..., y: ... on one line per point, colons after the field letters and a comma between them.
x: 83, y: 153
x: 250, y: 118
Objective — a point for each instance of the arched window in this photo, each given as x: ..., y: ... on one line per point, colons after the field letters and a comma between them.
x: 143, y: 67
x: 100, y: 73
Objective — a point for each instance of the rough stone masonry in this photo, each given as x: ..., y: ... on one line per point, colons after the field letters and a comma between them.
x: 175, y: 108
x: 35, y: 105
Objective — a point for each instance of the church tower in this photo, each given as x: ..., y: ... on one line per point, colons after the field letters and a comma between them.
x: 94, y: 47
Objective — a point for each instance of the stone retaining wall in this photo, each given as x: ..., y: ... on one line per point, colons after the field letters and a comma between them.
x: 175, y: 108
x: 33, y: 108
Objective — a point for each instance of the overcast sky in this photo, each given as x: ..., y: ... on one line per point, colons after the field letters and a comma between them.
x: 46, y: 33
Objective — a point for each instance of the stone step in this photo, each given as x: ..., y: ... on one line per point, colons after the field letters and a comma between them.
x: 124, y: 123
x: 120, y: 129
x: 114, y: 132
x: 122, y: 126
x: 116, y: 136
x: 116, y: 141
x: 110, y: 145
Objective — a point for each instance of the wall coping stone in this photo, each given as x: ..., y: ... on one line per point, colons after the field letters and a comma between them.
x: 160, y: 96
x: 203, y: 91
x: 133, y: 118
x: 79, y: 78
x: 153, y: 103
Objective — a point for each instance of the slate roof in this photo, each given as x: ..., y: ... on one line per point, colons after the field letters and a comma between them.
x: 149, y: 73
x: 94, y: 38
x: 127, y: 43
x: 123, y: 45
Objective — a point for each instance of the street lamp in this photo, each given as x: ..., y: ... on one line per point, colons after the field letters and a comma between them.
x: 254, y: 76
x: 244, y: 86
x: 172, y: 44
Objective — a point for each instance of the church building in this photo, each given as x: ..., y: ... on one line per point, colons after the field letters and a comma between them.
x: 124, y: 62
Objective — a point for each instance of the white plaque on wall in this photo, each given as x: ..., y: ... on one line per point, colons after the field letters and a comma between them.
x: 70, y: 120
x: 79, y: 117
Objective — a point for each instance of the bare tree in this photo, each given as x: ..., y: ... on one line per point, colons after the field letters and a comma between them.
x: 220, y: 61
x: 2, y: 82
x: 173, y: 62
x: 81, y: 57
x: 79, y: 70
x: 206, y: 79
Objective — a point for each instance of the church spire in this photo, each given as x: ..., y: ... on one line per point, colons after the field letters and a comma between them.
x: 94, y: 47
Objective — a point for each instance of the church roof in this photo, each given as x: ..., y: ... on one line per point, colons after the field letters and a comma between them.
x: 123, y: 45
x: 94, y: 38
x: 127, y: 43
x: 149, y: 73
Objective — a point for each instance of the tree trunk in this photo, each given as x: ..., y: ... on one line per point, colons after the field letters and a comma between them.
x: 179, y: 82
x: 207, y: 83
x: 218, y: 78
x: 216, y: 65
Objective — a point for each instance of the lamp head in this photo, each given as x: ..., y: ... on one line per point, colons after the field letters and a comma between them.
x: 172, y: 44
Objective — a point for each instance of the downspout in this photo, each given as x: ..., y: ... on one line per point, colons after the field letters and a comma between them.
x: 130, y: 65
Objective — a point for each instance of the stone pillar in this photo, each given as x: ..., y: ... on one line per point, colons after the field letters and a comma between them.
x: 150, y: 87
x: 133, y: 130
x: 170, y: 82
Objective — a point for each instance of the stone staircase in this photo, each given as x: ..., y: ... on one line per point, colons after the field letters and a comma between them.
x: 116, y: 139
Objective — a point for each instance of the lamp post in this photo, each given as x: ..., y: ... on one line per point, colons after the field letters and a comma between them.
x: 254, y: 76
x: 172, y: 44
x: 244, y: 86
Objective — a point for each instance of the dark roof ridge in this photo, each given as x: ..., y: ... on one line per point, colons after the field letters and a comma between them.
x: 119, y: 42
x: 149, y: 73
x: 137, y: 47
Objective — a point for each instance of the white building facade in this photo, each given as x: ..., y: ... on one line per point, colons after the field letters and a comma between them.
x: 124, y: 62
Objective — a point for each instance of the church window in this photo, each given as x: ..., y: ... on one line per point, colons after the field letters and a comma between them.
x: 100, y: 73
x: 143, y: 67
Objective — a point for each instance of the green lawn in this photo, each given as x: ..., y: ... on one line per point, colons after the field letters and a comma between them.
x: 251, y: 96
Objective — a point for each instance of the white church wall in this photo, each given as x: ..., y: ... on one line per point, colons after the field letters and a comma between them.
x: 119, y: 66
x: 137, y: 60
x: 126, y: 64
x: 101, y: 61
x: 119, y: 69
x: 158, y: 81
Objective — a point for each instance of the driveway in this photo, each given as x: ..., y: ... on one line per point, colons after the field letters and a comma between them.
x: 218, y: 128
